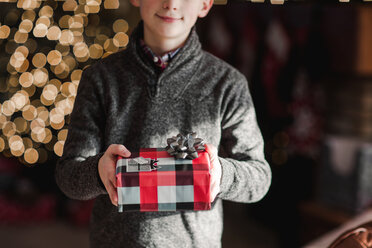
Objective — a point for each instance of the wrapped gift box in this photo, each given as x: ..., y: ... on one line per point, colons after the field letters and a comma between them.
x: 153, y: 180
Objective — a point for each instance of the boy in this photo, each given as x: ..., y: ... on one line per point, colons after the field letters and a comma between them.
x: 161, y: 85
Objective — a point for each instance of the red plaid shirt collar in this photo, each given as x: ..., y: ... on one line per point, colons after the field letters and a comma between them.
x: 160, y: 61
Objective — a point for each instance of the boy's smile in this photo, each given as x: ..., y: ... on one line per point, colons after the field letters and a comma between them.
x: 167, y: 23
x: 169, y: 18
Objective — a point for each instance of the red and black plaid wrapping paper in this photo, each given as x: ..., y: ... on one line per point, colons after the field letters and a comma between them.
x: 177, y: 184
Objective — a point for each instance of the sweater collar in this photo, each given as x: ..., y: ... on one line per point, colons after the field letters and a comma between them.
x: 160, y: 61
x: 179, y: 72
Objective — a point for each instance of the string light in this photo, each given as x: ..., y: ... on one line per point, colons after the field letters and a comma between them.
x: 2, y: 144
x: 31, y: 156
x: 277, y: 1
x: 21, y: 124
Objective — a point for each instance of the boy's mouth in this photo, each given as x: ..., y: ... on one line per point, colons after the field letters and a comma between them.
x: 168, y: 18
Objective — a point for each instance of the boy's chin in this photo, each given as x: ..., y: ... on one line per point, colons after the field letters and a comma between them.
x: 174, y: 33
x: 171, y: 32
x: 178, y: 38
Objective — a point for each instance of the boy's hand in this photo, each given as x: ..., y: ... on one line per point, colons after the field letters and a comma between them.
x: 107, y: 168
x: 215, y: 170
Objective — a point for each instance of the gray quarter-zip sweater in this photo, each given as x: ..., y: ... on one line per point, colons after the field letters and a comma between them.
x: 196, y: 92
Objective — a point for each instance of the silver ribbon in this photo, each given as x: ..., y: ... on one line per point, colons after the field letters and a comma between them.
x: 185, y: 147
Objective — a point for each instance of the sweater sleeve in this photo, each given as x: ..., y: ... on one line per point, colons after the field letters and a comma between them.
x: 246, y: 176
x: 77, y: 170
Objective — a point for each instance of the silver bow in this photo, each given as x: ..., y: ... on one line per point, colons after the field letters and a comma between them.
x: 185, y: 147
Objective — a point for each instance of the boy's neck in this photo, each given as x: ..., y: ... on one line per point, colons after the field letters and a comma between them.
x: 160, y: 45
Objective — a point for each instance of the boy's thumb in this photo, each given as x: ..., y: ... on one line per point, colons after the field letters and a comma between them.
x: 124, y: 151
x: 210, y: 148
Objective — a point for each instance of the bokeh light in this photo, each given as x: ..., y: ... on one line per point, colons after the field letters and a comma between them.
x: 46, y: 45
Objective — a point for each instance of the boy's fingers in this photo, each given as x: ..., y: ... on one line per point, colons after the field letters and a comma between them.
x: 112, y: 179
x: 120, y: 150
x: 211, y: 149
x: 212, y: 191
x: 207, y: 148
x: 215, y: 170
x: 215, y: 189
x: 112, y: 193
